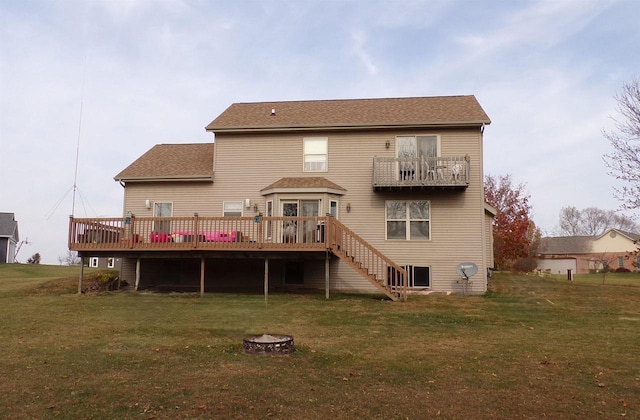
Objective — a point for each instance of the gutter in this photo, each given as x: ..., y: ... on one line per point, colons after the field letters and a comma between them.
x: 347, y: 127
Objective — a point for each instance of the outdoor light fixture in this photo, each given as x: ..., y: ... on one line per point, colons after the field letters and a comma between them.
x: 255, y: 207
x: 348, y: 207
x: 387, y: 144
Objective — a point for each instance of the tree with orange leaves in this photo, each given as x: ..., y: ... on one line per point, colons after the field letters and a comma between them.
x: 514, y: 233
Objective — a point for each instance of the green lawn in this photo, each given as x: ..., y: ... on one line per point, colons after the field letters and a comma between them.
x: 530, y: 348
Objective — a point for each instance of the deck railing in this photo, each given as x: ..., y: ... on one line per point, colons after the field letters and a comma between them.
x: 240, y: 234
x: 367, y: 260
x: 184, y: 233
x: 450, y: 171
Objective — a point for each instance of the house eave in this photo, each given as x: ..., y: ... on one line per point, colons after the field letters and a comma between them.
x: 348, y: 127
x: 292, y: 190
x: 194, y: 178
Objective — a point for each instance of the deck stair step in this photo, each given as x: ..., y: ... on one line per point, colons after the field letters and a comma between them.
x: 367, y: 260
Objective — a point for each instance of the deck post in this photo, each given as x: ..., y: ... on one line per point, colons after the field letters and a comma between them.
x: 266, y: 281
x: 326, y: 274
x: 137, y: 274
x: 201, y: 276
x: 81, y: 275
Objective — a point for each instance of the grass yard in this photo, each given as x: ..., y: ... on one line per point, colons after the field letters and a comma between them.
x: 530, y: 348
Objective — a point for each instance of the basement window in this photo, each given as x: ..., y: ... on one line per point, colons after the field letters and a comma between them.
x: 418, y: 276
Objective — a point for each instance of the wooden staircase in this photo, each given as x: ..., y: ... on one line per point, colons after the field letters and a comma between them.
x: 386, y: 275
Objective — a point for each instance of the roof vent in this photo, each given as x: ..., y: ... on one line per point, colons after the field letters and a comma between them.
x: 273, y: 111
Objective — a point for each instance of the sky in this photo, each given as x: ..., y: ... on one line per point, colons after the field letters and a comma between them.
x: 88, y: 86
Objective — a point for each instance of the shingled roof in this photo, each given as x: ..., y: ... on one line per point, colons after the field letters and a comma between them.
x: 9, y: 226
x: 316, y: 183
x: 351, y: 114
x: 565, y: 245
x: 172, y: 162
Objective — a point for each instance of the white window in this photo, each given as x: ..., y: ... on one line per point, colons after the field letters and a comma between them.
x: 333, y: 208
x: 111, y: 262
x: 269, y: 223
x: 620, y: 262
x: 408, y: 220
x: 93, y: 262
x: 232, y: 209
x: 315, y: 154
x: 417, y: 156
x: 418, y: 276
x: 162, y: 210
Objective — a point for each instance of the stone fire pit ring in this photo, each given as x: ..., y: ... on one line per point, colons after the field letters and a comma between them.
x: 268, y: 344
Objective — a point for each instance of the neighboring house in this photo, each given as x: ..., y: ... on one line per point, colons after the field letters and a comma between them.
x: 584, y: 254
x: 368, y: 195
x: 9, y: 237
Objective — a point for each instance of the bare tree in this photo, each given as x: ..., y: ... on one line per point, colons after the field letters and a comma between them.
x: 624, y: 161
x: 70, y: 258
x: 595, y: 221
x: 624, y: 223
x: 570, y: 221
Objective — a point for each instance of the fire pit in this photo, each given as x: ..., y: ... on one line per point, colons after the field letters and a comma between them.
x: 266, y: 344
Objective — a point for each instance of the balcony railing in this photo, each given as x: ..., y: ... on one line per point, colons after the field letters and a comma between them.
x: 423, y: 172
x: 204, y: 233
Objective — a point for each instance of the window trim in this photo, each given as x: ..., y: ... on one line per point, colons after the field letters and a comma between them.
x: 161, y: 226
x: 269, y: 213
x: 411, y: 272
x: 407, y: 221
x: 94, y: 262
x: 111, y: 262
x: 332, y: 207
x: 224, y: 211
x: 305, y: 154
x: 415, y: 142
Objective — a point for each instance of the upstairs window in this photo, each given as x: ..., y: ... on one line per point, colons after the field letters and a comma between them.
x: 408, y: 220
x: 315, y: 154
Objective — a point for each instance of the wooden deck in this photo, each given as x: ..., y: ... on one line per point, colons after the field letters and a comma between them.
x: 198, y: 233
x: 141, y: 235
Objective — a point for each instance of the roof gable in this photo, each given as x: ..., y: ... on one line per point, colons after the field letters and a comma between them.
x: 172, y: 162
x: 352, y: 113
x: 315, y: 183
x: 8, y: 226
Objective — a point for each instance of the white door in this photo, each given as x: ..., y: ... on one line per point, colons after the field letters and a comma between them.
x: 162, y: 210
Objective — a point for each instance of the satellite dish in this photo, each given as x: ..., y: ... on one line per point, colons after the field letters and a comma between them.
x: 466, y: 269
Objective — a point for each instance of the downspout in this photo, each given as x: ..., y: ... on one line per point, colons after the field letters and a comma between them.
x: 483, y: 228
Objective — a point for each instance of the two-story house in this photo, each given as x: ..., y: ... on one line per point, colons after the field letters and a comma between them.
x: 366, y: 195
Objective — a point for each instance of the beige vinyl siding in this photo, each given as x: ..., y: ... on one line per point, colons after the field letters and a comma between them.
x: 128, y: 271
x: 187, y: 198
x: 252, y: 162
x: 245, y: 164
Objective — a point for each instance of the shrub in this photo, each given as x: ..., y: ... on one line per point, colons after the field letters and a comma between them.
x: 622, y: 270
x: 525, y: 265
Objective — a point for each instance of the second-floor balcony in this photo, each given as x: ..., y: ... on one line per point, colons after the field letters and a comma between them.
x: 424, y: 172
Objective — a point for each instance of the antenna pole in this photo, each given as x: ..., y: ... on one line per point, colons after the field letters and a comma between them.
x: 75, y: 175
